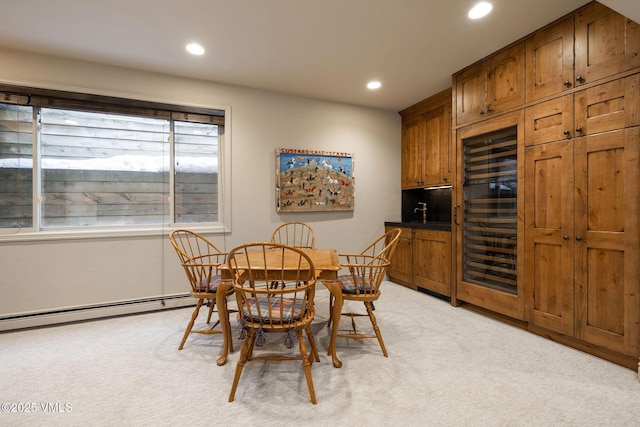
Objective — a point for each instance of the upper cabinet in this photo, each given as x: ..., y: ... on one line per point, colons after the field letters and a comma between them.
x: 491, y: 86
x: 550, y: 61
x: 605, y: 43
x: 426, y: 143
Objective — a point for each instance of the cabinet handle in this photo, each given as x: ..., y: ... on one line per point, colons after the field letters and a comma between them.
x: 567, y: 133
x: 481, y: 111
x: 565, y: 237
x: 578, y: 238
x: 455, y: 214
x: 580, y: 79
x: 567, y: 83
x: 489, y: 109
x: 579, y: 129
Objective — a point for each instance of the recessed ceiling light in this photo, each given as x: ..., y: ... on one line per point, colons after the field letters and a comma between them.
x: 195, y: 49
x: 480, y: 9
x: 374, y: 85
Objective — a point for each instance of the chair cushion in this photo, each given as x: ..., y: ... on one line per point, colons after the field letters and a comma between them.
x: 290, y: 311
x: 212, y: 286
x: 348, y: 285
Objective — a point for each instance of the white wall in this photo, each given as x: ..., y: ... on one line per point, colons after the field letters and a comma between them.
x: 43, y: 276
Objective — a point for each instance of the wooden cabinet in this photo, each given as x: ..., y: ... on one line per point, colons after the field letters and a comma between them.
x: 491, y: 86
x: 549, y: 61
x: 432, y: 260
x: 426, y: 143
x: 422, y: 258
x: 600, y: 42
x: 582, y: 238
x: 401, y: 268
x: 606, y: 43
x: 606, y: 107
x: 570, y: 268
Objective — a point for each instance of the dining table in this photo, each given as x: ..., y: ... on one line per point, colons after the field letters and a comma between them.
x: 327, y: 265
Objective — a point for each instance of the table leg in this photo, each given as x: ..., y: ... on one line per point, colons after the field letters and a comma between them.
x: 336, y: 292
x: 223, y: 314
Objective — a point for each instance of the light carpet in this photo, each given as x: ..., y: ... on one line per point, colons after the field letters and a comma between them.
x: 446, y: 366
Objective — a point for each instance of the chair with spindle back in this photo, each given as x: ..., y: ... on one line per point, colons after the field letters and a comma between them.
x: 200, y: 260
x: 287, y: 308
x: 366, y: 270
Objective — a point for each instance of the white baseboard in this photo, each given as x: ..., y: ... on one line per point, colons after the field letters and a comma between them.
x: 52, y: 317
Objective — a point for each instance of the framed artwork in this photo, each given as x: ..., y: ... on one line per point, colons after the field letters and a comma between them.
x: 314, y: 181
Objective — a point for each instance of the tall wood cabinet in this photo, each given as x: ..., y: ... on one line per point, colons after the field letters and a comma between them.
x: 582, y: 243
x: 426, y: 143
x: 578, y: 212
x: 582, y: 239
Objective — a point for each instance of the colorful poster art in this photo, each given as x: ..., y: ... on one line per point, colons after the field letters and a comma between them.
x: 314, y: 181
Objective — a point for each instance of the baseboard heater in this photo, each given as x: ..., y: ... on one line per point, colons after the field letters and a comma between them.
x: 93, y: 311
x: 434, y: 294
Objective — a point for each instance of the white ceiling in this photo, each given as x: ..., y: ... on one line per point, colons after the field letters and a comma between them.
x: 325, y: 49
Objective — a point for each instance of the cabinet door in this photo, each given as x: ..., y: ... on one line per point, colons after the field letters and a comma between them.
x: 471, y: 89
x: 549, y: 236
x: 490, y: 254
x: 448, y: 148
x: 607, y: 242
x: 549, y: 121
x: 435, y: 134
x: 609, y: 106
x: 606, y: 43
x: 412, y: 137
x: 401, y: 268
x: 505, y: 80
x: 432, y: 260
x: 549, y: 61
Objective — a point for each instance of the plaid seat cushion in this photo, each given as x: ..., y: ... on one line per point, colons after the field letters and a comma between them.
x: 348, y: 285
x: 283, y: 310
x: 212, y: 286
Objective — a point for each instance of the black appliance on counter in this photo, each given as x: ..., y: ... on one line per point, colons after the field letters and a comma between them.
x: 438, y: 203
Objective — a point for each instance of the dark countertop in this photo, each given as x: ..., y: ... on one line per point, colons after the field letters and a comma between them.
x: 430, y: 225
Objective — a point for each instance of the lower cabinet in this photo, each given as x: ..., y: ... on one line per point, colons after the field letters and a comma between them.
x: 401, y: 268
x: 432, y: 260
x: 423, y: 259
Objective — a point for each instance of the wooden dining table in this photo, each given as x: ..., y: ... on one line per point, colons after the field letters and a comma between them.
x: 326, y: 264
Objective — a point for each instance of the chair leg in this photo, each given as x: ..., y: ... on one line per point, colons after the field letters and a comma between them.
x: 306, y: 365
x: 247, y: 349
x: 191, y: 322
x: 376, y: 329
x: 330, y: 310
x: 212, y: 304
x: 314, y: 348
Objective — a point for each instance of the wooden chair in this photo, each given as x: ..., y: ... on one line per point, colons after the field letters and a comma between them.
x: 296, y: 234
x: 200, y: 259
x: 285, y: 309
x: 367, y: 270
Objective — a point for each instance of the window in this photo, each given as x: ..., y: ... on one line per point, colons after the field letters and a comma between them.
x: 75, y: 162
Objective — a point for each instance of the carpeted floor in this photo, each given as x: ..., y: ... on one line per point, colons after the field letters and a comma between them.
x: 446, y: 366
